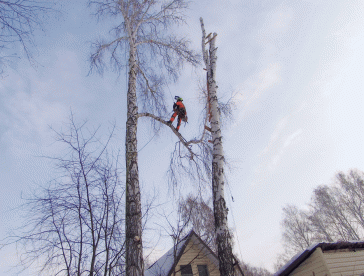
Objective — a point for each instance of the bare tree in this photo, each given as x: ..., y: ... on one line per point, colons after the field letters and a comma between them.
x: 327, y: 204
x: 298, y: 234
x: 199, y: 216
x: 75, y: 224
x: 18, y: 21
x: 154, y: 52
x: 334, y: 213
x: 352, y: 196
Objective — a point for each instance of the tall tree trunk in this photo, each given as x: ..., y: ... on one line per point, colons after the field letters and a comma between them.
x: 218, y: 182
x: 144, y: 24
x: 134, y: 251
x: 223, y: 238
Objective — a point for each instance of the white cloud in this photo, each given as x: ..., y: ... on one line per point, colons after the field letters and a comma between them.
x: 275, y: 159
x: 252, y: 89
x: 38, y: 101
x: 292, y: 137
x: 28, y: 119
x: 275, y: 135
x: 278, y: 145
x: 269, y: 71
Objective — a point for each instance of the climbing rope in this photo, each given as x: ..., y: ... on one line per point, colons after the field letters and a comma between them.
x: 232, y: 214
x: 148, y: 142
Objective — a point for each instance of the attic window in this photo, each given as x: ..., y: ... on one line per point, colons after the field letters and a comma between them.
x: 186, y: 270
x: 202, y: 270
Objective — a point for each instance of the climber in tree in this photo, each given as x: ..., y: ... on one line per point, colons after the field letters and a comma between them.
x: 180, y: 110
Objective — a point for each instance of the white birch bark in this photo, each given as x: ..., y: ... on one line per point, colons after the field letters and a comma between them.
x: 133, y: 220
x: 140, y: 32
x: 218, y: 181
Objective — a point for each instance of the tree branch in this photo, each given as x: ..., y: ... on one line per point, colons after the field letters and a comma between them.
x: 146, y: 80
x: 179, y: 135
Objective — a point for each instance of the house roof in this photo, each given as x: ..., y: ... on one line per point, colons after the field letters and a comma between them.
x: 302, y: 256
x: 165, y: 265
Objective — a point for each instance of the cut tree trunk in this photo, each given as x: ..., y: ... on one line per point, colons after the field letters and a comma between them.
x: 223, y: 238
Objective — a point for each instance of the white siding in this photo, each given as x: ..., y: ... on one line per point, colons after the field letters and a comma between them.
x: 312, y: 266
x: 345, y: 263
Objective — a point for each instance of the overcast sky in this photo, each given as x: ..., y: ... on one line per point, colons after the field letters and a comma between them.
x: 295, y: 67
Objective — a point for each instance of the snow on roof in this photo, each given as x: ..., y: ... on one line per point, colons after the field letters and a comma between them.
x: 296, y: 257
x: 164, y: 264
x: 303, y: 255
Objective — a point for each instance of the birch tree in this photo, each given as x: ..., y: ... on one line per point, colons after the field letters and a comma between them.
x: 223, y: 238
x: 202, y: 159
x: 155, y: 56
x: 298, y: 231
